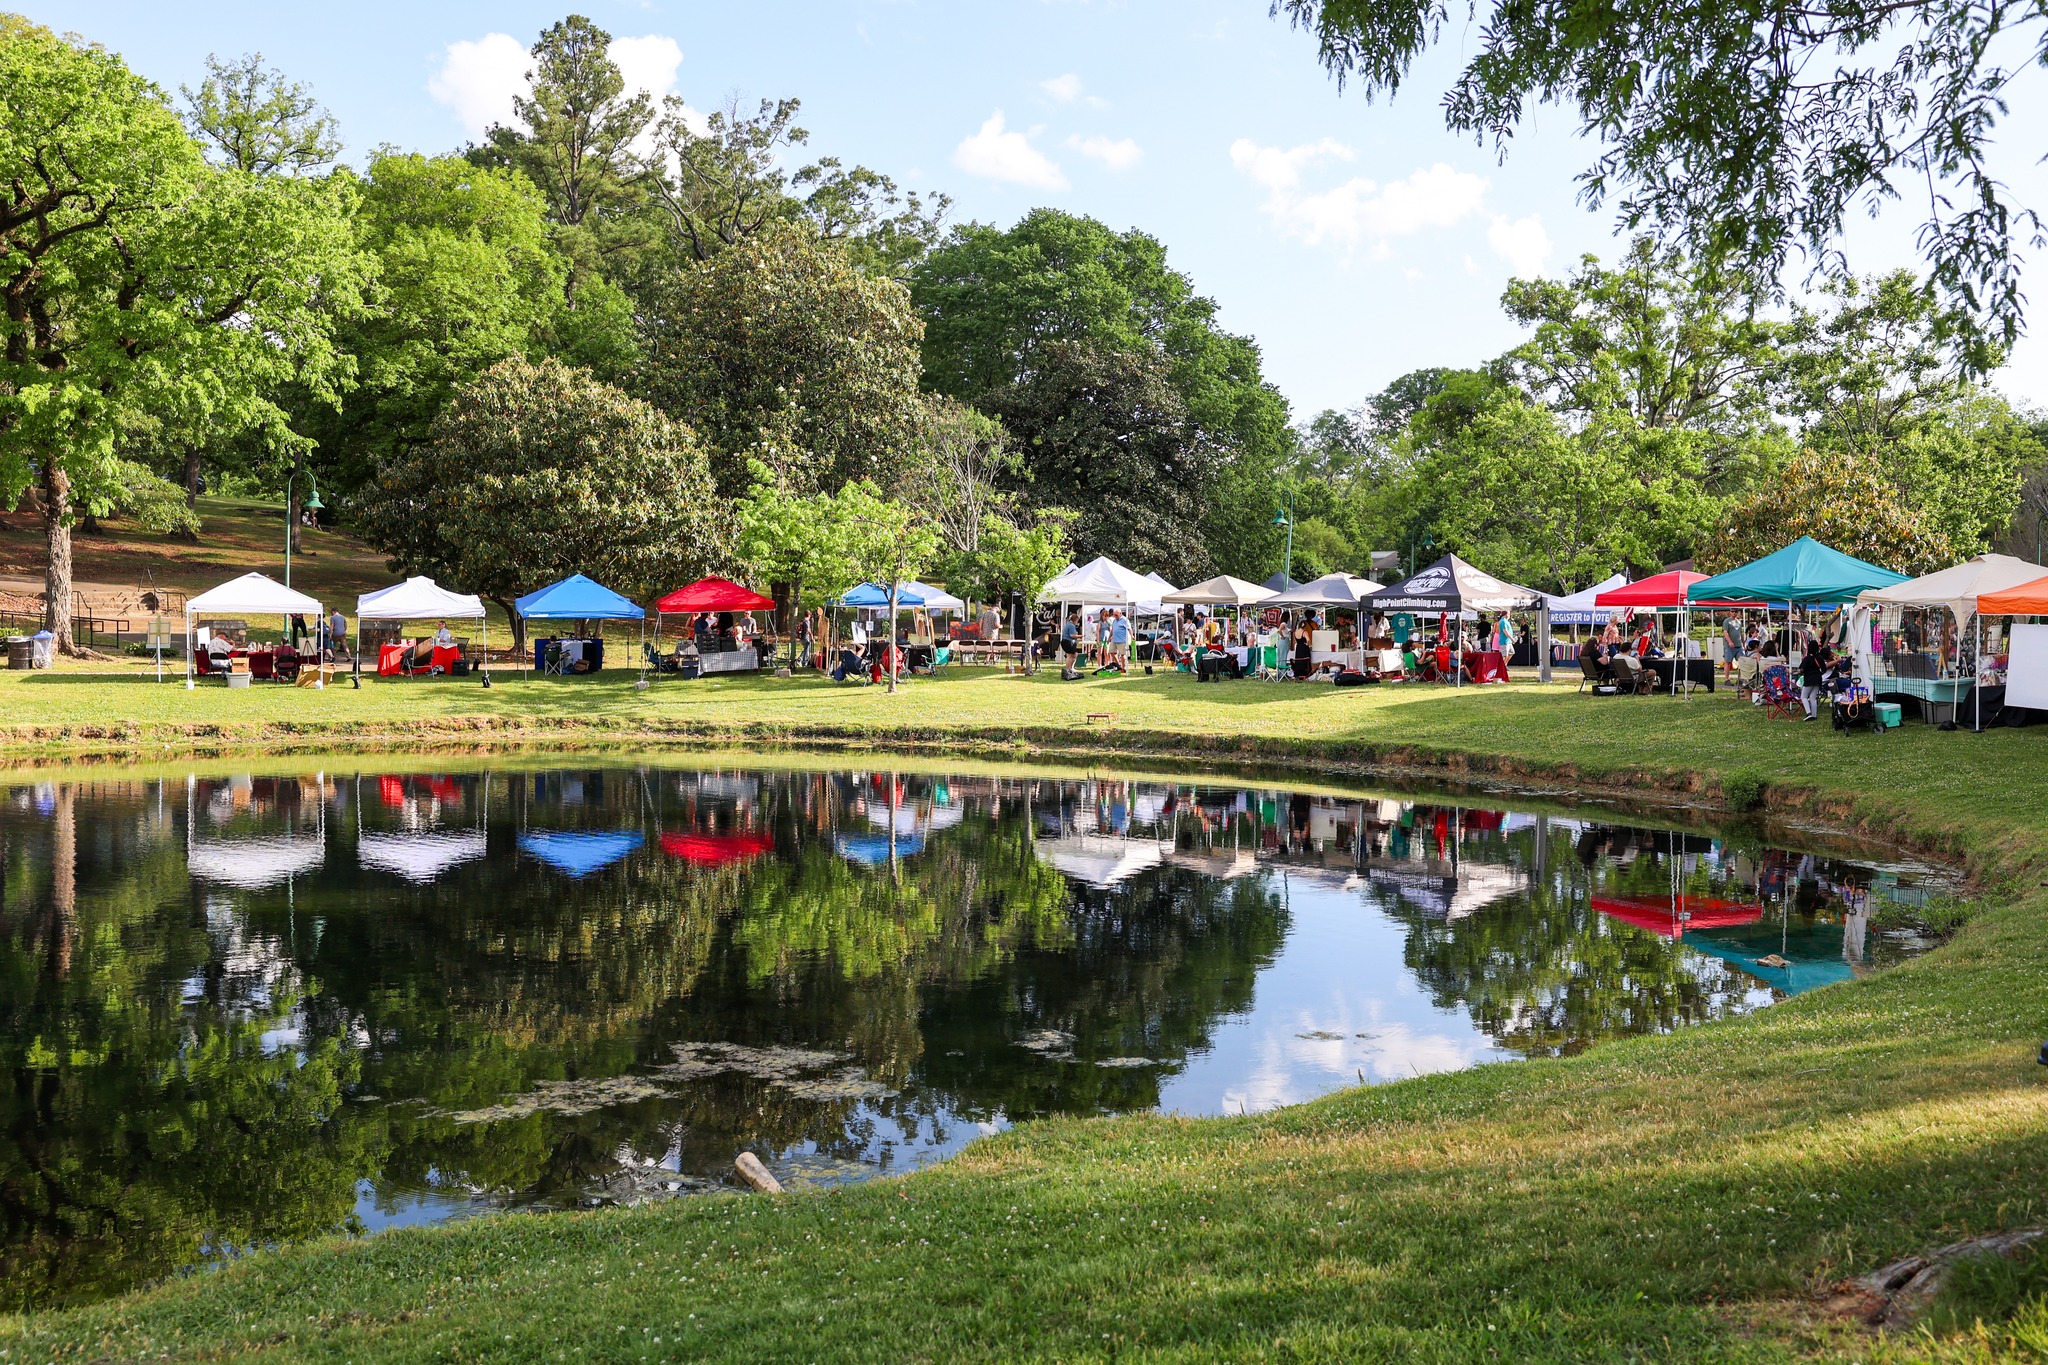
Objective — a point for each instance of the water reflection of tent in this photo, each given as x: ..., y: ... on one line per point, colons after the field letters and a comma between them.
x: 1222, y: 864
x: 874, y: 849
x: 911, y: 819
x: 715, y: 850
x: 419, y: 857
x: 579, y: 853
x: 1443, y: 891
x: 252, y: 864
x: 1659, y: 914
x: 1802, y: 972
x: 1100, y: 860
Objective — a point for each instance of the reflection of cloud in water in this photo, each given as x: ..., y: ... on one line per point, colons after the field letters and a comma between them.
x: 1290, y: 1067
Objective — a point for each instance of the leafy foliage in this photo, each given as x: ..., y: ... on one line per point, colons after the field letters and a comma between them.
x: 1751, y: 133
x: 1841, y: 500
x: 779, y: 349
x: 538, y: 471
x: 252, y: 118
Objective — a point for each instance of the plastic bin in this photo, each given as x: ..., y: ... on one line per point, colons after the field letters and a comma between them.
x: 43, y: 649
x: 1888, y: 714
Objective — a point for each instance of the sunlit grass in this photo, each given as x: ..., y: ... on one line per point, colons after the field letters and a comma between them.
x: 1671, y: 1198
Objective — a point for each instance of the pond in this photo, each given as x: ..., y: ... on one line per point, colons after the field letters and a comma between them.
x: 246, y: 1008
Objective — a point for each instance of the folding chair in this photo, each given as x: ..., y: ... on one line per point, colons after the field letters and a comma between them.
x: 555, y: 659
x: 1781, y: 698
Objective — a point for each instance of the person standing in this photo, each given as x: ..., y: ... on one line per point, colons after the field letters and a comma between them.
x: 1812, y: 672
x: 1731, y: 643
x: 1120, y: 641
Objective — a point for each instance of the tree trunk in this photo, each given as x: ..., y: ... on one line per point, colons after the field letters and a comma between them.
x: 518, y: 624
x: 190, y: 477
x: 291, y: 513
x: 57, y: 565
x: 64, y: 880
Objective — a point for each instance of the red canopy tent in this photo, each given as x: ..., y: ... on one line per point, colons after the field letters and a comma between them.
x: 1665, y: 590
x: 1659, y: 914
x: 715, y: 850
x: 714, y: 594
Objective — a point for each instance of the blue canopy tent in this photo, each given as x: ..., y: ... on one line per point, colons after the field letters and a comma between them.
x: 875, y: 596
x: 875, y: 849
x: 579, y: 853
x: 577, y: 598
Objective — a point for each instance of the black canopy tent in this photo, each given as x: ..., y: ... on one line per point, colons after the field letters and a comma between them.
x: 1450, y: 586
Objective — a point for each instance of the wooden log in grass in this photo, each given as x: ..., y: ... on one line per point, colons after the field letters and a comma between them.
x: 754, y: 1173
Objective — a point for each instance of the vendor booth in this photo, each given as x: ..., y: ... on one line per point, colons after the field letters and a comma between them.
x: 1667, y: 592
x: 1951, y: 677
x: 1335, y: 592
x: 714, y: 643
x: 1804, y: 574
x: 1102, y: 582
x: 237, y: 661
x: 2026, y: 675
x: 1451, y: 586
x: 580, y: 599
x: 419, y: 599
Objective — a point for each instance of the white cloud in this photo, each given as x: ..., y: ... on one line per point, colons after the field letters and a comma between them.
x: 1066, y: 89
x: 1359, y: 209
x: 999, y: 154
x: 648, y: 63
x: 1119, y: 154
x: 479, y: 79
x: 1523, y: 244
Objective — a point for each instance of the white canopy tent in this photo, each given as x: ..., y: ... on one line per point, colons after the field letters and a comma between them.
x: 420, y: 856
x: 1102, y: 582
x: 1580, y: 609
x: 253, y: 594
x: 1100, y: 860
x: 420, y: 599
x: 1340, y: 590
x: 1222, y: 591
x: 1954, y: 589
x: 935, y: 599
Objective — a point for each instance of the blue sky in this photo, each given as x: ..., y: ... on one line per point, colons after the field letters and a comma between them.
x: 1354, y: 241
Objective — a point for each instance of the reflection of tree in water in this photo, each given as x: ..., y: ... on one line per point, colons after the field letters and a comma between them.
x: 1545, y: 973
x: 152, y: 1116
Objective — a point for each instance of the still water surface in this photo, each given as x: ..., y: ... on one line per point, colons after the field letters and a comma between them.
x: 242, y: 1009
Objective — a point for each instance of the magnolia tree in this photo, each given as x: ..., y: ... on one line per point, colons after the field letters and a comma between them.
x: 539, y: 471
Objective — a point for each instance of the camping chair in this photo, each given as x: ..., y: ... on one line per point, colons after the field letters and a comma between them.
x: 1749, y: 677
x: 556, y: 660
x: 285, y: 664
x: 1589, y: 673
x: 659, y: 662
x: 1631, y: 676
x: 1781, y: 698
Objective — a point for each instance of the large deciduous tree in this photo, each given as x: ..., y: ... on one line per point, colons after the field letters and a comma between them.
x: 466, y: 278
x: 1840, y: 499
x: 249, y: 117
x: 538, y: 471
x: 999, y: 303
x: 1106, y: 433
x: 779, y: 349
x: 1750, y: 131
x: 140, y: 283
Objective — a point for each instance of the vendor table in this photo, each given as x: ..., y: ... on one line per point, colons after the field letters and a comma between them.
x: 1936, y: 696
x: 746, y: 660
x: 1698, y: 672
x: 1486, y: 665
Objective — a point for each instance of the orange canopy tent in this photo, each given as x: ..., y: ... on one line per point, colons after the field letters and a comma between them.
x: 2028, y: 599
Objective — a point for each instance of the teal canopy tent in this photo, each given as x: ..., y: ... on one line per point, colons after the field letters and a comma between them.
x: 1804, y: 572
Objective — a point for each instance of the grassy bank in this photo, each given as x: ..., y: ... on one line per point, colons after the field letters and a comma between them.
x: 1680, y: 1198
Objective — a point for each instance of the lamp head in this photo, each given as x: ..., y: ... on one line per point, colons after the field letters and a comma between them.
x: 313, y: 503
x: 1280, y: 518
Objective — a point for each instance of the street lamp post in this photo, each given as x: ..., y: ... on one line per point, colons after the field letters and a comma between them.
x: 1286, y: 518
x: 291, y: 519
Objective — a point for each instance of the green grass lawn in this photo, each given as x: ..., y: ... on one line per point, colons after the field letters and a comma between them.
x: 1676, y: 1198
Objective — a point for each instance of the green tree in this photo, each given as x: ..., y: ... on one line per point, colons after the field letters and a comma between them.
x: 1105, y: 432
x: 1022, y: 559
x: 575, y: 142
x: 779, y: 349
x: 466, y: 278
x: 995, y: 301
x: 1840, y: 499
x: 1875, y: 377
x: 791, y: 540
x: 1655, y: 340
x: 539, y: 471
x: 727, y: 183
x: 142, y: 285
x: 1750, y: 133
x: 249, y: 117
x: 1558, y: 509
x: 886, y: 541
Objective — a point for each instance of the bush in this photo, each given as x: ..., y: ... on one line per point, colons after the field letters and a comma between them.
x: 1744, y: 789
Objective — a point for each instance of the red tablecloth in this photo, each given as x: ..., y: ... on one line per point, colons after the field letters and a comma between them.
x: 1486, y: 665
x: 446, y: 657
x: 391, y: 660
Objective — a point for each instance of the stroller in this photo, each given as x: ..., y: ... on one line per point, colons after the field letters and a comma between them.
x: 1780, y: 699
x: 1855, y: 709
